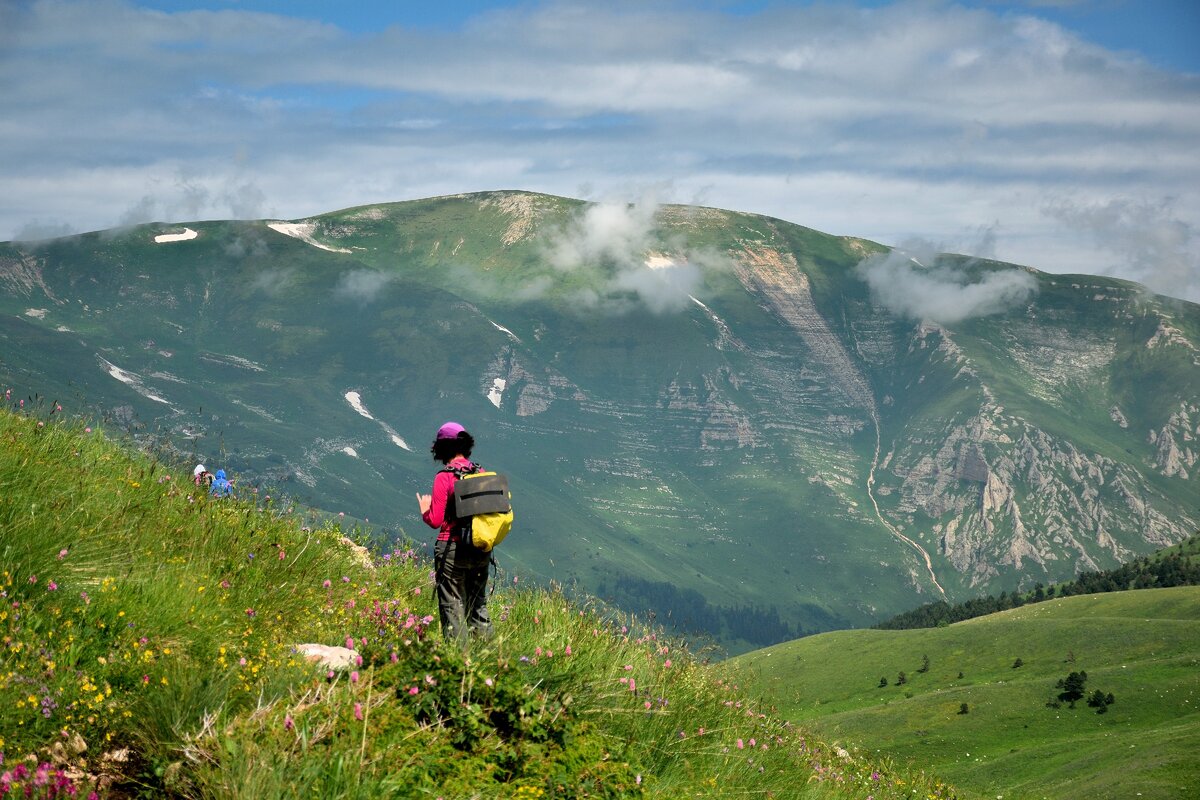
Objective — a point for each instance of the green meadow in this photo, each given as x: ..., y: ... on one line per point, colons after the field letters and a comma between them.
x: 150, y: 650
x: 1142, y: 647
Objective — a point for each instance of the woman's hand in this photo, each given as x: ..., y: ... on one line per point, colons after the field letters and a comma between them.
x: 424, y: 501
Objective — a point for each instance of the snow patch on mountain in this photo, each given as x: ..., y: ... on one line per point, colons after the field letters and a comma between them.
x: 304, y: 232
x: 187, y: 234
x: 496, y: 394
x: 132, y: 380
x: 355, y: 401
x: 503, y: 329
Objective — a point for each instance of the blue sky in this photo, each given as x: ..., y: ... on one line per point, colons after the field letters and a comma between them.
x: 1055, y: 133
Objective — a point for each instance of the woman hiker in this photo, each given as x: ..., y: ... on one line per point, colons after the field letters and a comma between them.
x: 460, y: 568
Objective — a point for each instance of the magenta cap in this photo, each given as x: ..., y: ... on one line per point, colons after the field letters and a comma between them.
x: 450, y: 430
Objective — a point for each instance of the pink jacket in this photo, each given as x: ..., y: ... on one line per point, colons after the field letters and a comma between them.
x: 443, y: 488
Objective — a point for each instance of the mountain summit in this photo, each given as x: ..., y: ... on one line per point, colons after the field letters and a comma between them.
x: 746, y: 426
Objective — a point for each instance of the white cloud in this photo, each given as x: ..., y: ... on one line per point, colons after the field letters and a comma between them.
x: 1145, y: 241
x: 362, y: 285
x: 909, y: 282
x: 621, y: 240
x: 910, y: 119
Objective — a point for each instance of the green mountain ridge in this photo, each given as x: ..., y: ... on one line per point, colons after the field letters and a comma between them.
x: 685, y: 399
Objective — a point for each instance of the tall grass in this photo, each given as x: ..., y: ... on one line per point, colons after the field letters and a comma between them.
x: 150, y: 636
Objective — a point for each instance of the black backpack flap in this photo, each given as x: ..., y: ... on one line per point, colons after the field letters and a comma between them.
x: 481, y: 493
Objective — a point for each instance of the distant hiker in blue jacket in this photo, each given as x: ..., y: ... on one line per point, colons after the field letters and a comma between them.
x: 461, y: 569
x: 221, y: 486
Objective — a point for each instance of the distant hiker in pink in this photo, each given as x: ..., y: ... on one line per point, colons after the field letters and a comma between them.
x: 461, y: 569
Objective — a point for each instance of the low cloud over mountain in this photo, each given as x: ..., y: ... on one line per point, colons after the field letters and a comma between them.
x: 901, y: 282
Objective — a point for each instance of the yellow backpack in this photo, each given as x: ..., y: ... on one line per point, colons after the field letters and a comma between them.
x: 483, y: 508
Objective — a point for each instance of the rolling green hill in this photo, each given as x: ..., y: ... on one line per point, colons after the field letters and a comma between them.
x: 1141, y: 646
x: 707, y: 414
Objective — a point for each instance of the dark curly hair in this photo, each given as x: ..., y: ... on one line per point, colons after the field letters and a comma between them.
x: 445, y: 449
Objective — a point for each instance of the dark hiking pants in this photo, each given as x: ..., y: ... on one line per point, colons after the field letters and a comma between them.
x: 462, y: 574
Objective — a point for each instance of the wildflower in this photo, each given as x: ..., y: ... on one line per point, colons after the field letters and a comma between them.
x: 489, y: 682
x: 741, y: 745
x: 51, y: 586
x: 667, y: 663
x: 349, y: 642
x: 341, y: 513
x: 429, y: 679
x: 417, y: 590
x: 358, y: 714
x: 87, y: 430
x: 568, y: 650
x: 282, y: 555
x: 250, y: 612
x: 288, y: 723
x: 354, y: 676
x: 327, y: 583
x: 413, y: 690
x: 647, y: 705
x: 62, y: 554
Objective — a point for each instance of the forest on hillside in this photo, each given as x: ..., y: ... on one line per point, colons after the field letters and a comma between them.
x: 1175, y: 566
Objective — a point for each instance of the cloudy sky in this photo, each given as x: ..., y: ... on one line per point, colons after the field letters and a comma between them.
x: 1061, y: 134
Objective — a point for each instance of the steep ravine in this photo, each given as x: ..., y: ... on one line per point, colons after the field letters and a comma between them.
x: 776, y: 277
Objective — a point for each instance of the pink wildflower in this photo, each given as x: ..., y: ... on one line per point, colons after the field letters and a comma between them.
x: 51, y: 586
x: 288, y: 723
x: 87, y: 430
x: 62, y: 554
x: 349, y: 642
x: 413, y: 690
x: 568, y: 650
x: 358, y: 715
x: 667, y: 663
x: 354, y: 676
x: 327, y: 583
x: 740, y: 744
x: 282, y: 555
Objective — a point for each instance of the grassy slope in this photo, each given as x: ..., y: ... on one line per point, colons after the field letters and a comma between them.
x: 1142, y: 646
x: 144, y: 620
